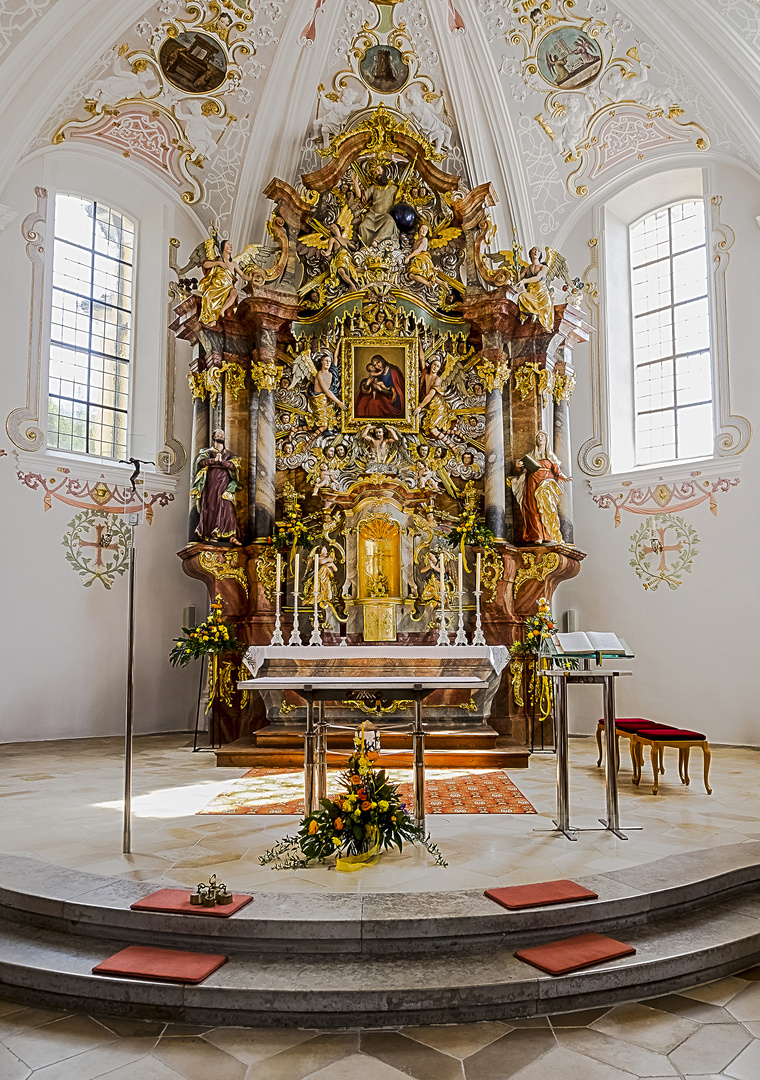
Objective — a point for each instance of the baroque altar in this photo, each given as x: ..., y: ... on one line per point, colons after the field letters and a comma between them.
x: 380, y: 400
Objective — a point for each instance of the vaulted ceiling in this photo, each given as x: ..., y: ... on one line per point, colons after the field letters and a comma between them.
x: 675, y: 82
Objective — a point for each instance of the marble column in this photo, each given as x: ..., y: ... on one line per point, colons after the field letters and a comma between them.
x: 253, y: 437
x: 200, y: 440
x: 562, y: 450
x: 265, y: 439
x: 495, y: 489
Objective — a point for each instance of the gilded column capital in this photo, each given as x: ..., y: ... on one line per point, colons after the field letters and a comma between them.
x: 265, y: 375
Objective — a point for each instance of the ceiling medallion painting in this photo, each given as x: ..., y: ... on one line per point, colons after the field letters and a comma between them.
x: 599, y: 107
x: 165, y: 103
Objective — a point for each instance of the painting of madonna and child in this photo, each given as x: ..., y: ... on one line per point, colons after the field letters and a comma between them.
x: 379, y: 382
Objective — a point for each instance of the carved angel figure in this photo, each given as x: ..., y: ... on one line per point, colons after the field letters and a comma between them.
x: 427, y: 112
x: 337, y: 108
x: 569, y: 120
x: 437, y: 378
x: 335, y: 240
x: 326, y: 381
x: 200, y: 130
x: 535, y: 301
x: 127, y: 81
x: 220, y: 273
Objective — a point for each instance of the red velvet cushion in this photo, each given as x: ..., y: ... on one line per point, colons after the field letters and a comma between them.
x: 172, y: 965
x: 634, y: 725
x: 540, y: 893
x: 632, y: 720
x: 673, y: 734
x: 177, y: 902
x: 574, y: 954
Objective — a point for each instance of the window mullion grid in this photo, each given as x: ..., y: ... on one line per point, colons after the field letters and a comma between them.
x: 89, y: 323
x: 672, y: 328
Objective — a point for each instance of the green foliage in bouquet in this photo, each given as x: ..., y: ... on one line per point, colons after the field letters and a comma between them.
x: 210, y: 637
x: 368, y: 817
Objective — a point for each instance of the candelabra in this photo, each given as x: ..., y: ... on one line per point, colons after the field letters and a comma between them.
x: 461, y: 638
x: 316, y: 637
x: 478, y: 638
x: 443, y: 634
x: 295, y: 636
x: 277, y: 638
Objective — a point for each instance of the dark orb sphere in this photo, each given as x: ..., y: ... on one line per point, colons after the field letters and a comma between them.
x: 405, y: 216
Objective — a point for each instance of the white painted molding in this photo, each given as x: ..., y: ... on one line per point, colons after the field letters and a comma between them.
x: 90, y: 468
x: 7, y: 216
x: 672, y: 473
x: 23, y: 425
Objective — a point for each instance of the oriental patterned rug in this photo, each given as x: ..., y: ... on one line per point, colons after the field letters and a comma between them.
x: 447, y: 791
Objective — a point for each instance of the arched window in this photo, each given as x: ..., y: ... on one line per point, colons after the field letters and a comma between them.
x: 90, y: 328
x: 672, y: 369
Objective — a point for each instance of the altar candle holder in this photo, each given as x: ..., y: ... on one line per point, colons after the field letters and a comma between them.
x: 316, y: 637
x: 478, y: 638
x: 443, y: 636
x: 461, y: 638
x: 295, y: 635
x: 277, y: 638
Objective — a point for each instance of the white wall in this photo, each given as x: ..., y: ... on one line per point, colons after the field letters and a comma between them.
x: 64, y: 645
x: 696, y: 658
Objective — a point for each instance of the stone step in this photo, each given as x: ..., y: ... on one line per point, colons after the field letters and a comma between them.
x: 247, y: 753
x: 337, y: 991
x: 481, y: 737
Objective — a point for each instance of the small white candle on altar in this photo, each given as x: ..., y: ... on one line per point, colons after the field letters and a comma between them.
x: 477, y: 573
x: 279, y: 572
x: 295, y: 576
x: 459, y: 567
x: 443, y: 588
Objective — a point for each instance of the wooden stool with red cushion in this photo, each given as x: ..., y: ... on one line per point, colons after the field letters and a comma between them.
x: 657, y: 738
x: 627, y: 727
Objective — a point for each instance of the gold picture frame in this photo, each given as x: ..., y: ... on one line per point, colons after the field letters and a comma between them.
x: 380, y: 381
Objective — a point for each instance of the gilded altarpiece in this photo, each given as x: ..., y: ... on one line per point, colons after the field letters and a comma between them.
x: 378, y: 383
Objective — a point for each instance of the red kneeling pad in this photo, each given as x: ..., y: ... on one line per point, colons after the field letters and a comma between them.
x: 165, y: 965
x: 176, y: 902
x: 673, y: 734
x: 515, y: 897
x: 574, y: 954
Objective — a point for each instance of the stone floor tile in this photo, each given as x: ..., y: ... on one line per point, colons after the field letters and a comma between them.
x: 615, y: 1051
x: 11, y: 1068
x: 25, y: 1019
x: 58, y: 1040
x: 640, y: 1024
x: 504, y: 1058
x: 711, y: 1048
x: 149, y: 1068
x: 414, y: 1058
x: 95, y: 1063
x: 753, y: 1027
x: 747, y: 1065
x: 126, y: 1028
x: 577, y: 1019
x: 701, y: 1011
x: 563, y: 1063
x: 716, y: 993
x: 746, y: 1004
x: 182, y: 1030
x: 8, y: 1007
x: 357, y: 1065
x: 197, y: 1059
x: 250, y: 1045
x: 750, y: 974
x: 308, y: 1057
x: 459, y: 1040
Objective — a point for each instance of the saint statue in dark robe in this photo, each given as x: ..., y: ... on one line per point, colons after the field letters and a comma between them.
x: 215, y: 481
x: 381, y: 391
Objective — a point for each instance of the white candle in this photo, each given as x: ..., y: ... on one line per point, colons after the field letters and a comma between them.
x: 477, y: 573
x: 459, y: 567
x: 279, y: 570
x: 442, y: 584
x: 295, y: 582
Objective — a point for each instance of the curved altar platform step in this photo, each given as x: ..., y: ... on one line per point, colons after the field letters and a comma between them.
x: 377, y: 959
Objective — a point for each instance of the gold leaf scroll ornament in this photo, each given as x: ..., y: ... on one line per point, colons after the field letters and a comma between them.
x: 535, y: 568
x: 224, y: 565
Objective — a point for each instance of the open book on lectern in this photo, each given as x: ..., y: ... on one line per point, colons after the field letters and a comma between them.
x: 592, y: 641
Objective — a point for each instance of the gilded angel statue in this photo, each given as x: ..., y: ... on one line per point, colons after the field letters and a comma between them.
x: 535, y: 301
x: 326, y: 381
x: 421, y: 267
x: 336, y: 241
x: 439, y: 379
x: 221, y: 270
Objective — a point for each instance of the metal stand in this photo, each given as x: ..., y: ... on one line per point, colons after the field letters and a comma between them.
x: 295, y: 634
x: 321, y: 765
x: 461, y: 638
x: 418, y: 744
x: 607, y: 678
x: 310, y: 798
x: 316, y: 637
x: 443, y: 634
x: 126, y: 845
x: 478, y: 638
x: 211, y: 732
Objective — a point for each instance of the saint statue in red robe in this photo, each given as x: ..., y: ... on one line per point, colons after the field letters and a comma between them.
x: 215, y: 481
x: 538, y: 490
